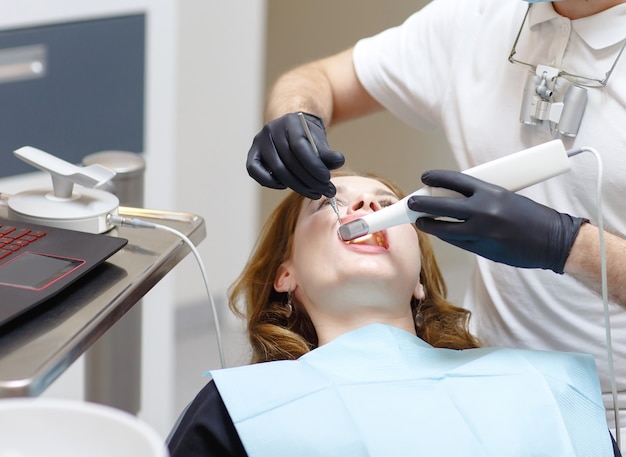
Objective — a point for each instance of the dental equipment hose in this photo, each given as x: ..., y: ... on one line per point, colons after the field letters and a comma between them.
x: 605, y: 293
x: 122, y: 221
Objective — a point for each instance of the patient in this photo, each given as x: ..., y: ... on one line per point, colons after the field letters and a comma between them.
x: 367, y: 358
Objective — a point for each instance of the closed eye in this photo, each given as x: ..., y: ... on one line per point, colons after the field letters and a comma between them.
x: 383, y: 202
x: 325, y: 201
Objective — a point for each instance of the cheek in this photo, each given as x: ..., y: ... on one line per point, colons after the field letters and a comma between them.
x: 407, y: 246
x: 318, y: 258
x: 406, y: 237
x: 311, y: 246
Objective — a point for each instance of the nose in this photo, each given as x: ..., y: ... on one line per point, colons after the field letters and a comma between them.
x: 364, y: 202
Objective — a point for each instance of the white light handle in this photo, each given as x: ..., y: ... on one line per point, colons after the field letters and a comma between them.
x: 64, y: 174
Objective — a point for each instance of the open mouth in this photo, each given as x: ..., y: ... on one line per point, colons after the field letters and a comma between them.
x: 372, y: 239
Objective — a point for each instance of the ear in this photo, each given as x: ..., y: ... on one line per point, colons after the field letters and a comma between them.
x: 419, y: 292
x: 285, y: 280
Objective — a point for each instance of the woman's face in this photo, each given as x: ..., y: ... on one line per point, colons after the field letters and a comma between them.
x: 378, y: 273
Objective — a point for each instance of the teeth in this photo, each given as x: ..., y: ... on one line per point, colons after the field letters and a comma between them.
x: 380, y: 239
x: 365, y: 239
x: 373, y: 239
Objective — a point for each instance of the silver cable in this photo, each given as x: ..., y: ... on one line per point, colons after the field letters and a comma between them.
x: 139, y: 223
x: 605, y: 293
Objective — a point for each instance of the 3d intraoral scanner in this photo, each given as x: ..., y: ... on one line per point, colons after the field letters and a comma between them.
x: 513, y: 172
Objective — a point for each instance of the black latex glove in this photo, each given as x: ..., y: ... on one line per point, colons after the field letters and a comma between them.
x: 497, y: 224
x: 281, y: 156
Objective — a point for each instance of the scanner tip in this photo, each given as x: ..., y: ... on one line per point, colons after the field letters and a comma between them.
x: 353, y: 229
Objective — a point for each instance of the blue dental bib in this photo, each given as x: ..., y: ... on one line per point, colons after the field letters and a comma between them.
x: 380, y: 391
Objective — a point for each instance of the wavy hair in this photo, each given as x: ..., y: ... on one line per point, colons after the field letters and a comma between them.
x: 275, y: 333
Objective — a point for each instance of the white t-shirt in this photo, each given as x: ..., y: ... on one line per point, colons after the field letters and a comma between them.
x: 447, y: 67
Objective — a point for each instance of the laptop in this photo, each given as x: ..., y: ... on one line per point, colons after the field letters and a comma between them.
x: 38, y: 262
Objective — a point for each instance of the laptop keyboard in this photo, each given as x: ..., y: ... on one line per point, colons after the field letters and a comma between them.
x: 13, y: 238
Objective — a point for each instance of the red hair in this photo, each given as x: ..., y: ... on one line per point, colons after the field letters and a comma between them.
x: 275, y: 334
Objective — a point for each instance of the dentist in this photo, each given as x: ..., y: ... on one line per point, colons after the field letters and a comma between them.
x: 465, y: 68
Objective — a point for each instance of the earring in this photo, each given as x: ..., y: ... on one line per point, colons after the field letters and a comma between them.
x: 288, y: 305
x: 419, y: 317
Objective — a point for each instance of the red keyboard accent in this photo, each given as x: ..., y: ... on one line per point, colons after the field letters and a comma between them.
x: 4, y: 229
x: 18, y: 232
x: 14, y: 238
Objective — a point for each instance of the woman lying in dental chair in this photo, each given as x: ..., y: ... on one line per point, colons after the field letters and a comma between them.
x: 367, y: 358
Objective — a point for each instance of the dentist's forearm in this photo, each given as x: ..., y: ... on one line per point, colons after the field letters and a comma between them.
x: 584, y: 264
x: 305, y: 88
x: 328, y: 88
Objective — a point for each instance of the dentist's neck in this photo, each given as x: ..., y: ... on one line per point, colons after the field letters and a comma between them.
x: 576, y: 9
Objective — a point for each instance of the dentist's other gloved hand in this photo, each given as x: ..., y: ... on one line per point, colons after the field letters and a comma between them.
x: 496, y: 223
x: 281, y: 156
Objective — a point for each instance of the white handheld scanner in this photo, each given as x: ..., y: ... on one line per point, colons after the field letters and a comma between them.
x: 513, y: 172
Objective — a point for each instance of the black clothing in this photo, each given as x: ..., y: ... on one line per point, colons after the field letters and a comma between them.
x: 616, y: 450
x: 206, y: 429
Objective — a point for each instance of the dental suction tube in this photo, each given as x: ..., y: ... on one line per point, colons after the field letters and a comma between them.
x: 513, y: 172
